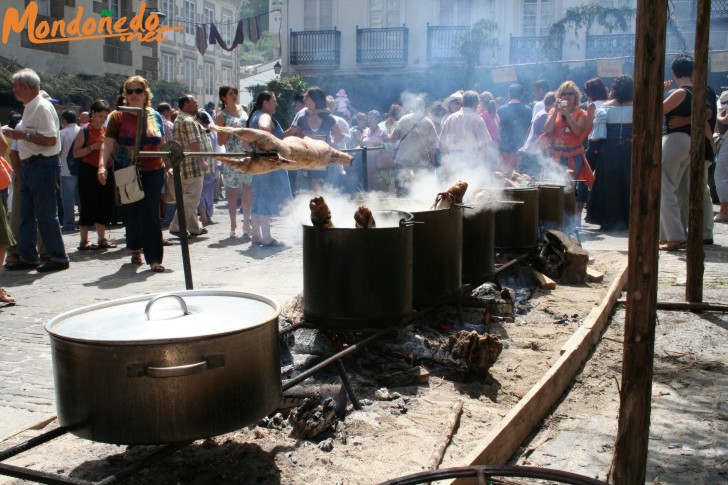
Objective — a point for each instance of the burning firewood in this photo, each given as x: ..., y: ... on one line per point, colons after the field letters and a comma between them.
x: 454, y: 195
x: 313, y: 417
x: 320, y: 213
x: 294, y: 153
x: 364, y: 217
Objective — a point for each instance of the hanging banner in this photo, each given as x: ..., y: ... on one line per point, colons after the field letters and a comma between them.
x: 718, y: 61
x: 505, y: 74
x: 609, y: 67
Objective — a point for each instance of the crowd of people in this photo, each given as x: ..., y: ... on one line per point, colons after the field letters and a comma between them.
x: 66, y: 162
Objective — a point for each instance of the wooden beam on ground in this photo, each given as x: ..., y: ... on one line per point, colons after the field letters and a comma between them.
x: 630, y: 452
x: 544, y: 282
x: 695, y: 251
x: 687, y: 306
x: 504, y: 440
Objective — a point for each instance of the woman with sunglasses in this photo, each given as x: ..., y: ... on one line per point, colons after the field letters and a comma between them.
x: 565, y: 127
x: 237, y: 183
x: 143, y: 224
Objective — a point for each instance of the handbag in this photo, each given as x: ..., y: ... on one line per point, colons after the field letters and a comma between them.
x: 128, y: 185
x: 73, y: 162
x: 169, y: 196
x: 128, y: 179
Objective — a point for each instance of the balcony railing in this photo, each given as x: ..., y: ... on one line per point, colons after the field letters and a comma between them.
x: 319, y: 47
x: 442, y: 45
x: 600, y: 46
x: 526, y: 49
x: 389, y: 45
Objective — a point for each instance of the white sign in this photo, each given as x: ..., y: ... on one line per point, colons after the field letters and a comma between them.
x: 505, y: 74
x: 609, y: 67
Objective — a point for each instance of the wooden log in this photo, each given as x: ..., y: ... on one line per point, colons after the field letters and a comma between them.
x: 695, y: 254
x: 687, y: 306
x: 500, y: 444
x: 452, y: 422
x: 312, y: 417
x: 594, y: 276
x: 630, y: 454
x: 544, y: 282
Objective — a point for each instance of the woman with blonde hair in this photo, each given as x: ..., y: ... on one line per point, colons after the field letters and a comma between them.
x: 565, y: 126
x: 143, y: 224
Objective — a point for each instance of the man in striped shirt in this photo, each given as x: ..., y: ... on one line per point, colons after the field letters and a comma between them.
x: 193, y: 138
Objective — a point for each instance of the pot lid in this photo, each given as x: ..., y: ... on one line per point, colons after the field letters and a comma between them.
x: 165, y: 317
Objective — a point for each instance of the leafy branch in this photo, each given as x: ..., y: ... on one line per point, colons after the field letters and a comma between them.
x: 583, y: 17
x: 480, y: 36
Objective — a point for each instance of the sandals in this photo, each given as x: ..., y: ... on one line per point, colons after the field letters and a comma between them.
x: 6, y: 297
x: 136, y: 257
x: 672, y: 245
x: 87, y: 246
x: 157, y: 268
x: 106, y: 244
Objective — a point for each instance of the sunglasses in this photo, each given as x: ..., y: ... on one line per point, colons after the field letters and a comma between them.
x: 567, y: 93
x: 134, y: 91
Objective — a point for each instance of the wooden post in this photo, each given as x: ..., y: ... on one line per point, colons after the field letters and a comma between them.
x: 630, y: 452
x: 695, y: 251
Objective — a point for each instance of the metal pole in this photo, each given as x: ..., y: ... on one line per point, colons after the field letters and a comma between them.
x: 364, y: 163
x: 353, y: 348
x: 175, y: 157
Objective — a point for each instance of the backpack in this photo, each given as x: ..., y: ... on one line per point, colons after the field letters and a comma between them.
x: 73, y: 162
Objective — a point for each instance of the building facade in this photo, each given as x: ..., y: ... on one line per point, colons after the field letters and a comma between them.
x: 401, y: 36
x: 179, y: 57
x: 175, y: 59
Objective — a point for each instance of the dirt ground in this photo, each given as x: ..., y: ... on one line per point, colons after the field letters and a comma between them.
x: 383, y: 440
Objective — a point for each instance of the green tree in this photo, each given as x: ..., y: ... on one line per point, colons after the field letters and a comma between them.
x: 480, y: 37
x: 253, y: 8
x: 261, y: 51
x: 285, y: 88
x: 584, y: 17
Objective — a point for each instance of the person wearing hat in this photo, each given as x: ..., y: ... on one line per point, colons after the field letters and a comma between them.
x: 342, y: 105
x: 454, y: 103
x: 721, y: 160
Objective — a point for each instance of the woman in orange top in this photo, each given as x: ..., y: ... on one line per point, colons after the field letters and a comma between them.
x: 97, y: 201
x: 565, y: 126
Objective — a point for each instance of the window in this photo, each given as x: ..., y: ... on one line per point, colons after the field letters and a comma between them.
x: 168, y: 73
x: 227, y: 76
x: 456, y: 12
x: 189, y: 17
x: 209, y: 79
x: 168, y: 11
x: 209, y: 16
x: 227, y: 28
x: 538, y: 15
x: 318, y: 15
x: 44, y: 7
x: 190, y: 67
x: 384, y: 13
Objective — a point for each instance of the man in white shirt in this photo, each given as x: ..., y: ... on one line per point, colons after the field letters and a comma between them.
x: 464, y: 136
x: 69, y: 182
x: 39, y: 144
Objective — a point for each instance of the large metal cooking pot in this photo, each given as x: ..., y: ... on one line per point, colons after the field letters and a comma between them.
x: 478, y: 243
x: 569, y: 190
x: 550, y: 207
x: 516, y: 225
x: 437, y: 271
x: 359, y: 278
x: 165, y: 368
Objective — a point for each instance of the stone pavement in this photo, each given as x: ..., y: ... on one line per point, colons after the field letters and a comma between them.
x: 26, y: 380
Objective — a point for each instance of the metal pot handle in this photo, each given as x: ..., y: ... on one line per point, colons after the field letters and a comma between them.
x: 464, y: 206
x: 179, y: 299
x: 409, y: 222
x: 142, y: 370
